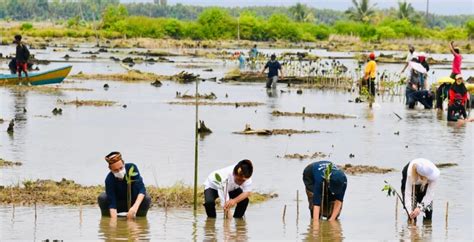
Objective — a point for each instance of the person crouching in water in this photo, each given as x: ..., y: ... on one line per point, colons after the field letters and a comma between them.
x: 457, y: 111
x: 233, y: 186
x: 419, y: 178
x: 114, y: 199
x: 324, y: 197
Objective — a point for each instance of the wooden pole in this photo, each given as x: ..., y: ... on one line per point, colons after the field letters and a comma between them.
x: 196, y: 148
x: 284, y: 212
x: 446, y: 216
x: 396, y: 208
x: 297, y: 203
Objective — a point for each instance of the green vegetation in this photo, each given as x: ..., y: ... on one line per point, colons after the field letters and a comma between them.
x: 108, y: 19
x: 9, y: 163
x: 67, y: 192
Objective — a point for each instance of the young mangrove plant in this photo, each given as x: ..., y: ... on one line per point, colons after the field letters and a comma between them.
x: 392, y: 192
x: 128, y: 178
x: 222, y: 185
x: 326, y: 179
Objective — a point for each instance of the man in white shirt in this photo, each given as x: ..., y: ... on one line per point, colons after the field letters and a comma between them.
x: 232, y: 185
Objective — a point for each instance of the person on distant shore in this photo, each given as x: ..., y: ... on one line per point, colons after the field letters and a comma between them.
x: 22, y: 55
x: 410, y: 56
x: 334, y: 189
x: 114, y: 199
x: 457, y: 60
x: 370, y: 74
x: 419, y: 178
x: 232, y: 185
x: 273, y: 67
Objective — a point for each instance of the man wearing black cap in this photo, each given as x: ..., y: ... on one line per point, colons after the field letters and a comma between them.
x: 321, y: 193
x: 114, y: 199
x: 273, y: 66
x: 21, y: 57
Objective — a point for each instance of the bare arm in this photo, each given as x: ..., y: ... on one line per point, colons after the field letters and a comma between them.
x: 451, y: 48
x: 405, y: 67
x: 336, y: 209
x: 133, y: 210
x: 232, y: 202
x: 281, y: 72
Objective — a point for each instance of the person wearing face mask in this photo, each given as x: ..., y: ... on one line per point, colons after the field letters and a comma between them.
x: 419, y: 179
x: 457, y: 111
x: 114, y: 199
x: 324, y: 197
x: 233, y: 186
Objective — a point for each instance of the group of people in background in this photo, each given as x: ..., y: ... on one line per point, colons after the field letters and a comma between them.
x: 325, y: 184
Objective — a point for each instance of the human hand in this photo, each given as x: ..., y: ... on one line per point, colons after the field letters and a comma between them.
x: 131, y: 213
x: 229, y: 204
x: 415, y: 213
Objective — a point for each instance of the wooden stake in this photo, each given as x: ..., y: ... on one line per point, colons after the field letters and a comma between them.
x: 36, y: 216
x: 297, y: 203
x: 304, y: 110
x: 446, y: 216
x: 80, y: 214
x: 284, y: 212
x: 396, y: 208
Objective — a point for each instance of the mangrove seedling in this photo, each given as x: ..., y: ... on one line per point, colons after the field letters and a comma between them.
x: 128, y: 178
x: 392, y: 192
x: 222, y: 185
x: 326, y: 179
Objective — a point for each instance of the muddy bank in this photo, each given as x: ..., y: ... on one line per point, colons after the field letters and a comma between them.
x: 249, y: 131
x: 206, y: 103
x: 445, y: 165
x: 312, y: 115
x: 315, y: 155
x: 362, y: 169
x: 4, y: 163
x: 67, y: 192
x: 130, y: 76
x: 210, y: 96
x: 93, y: 103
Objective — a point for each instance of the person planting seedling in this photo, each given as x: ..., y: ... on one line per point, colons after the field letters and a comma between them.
x: 124, y: 190
x: 325, y: 187
x: 233, y: 186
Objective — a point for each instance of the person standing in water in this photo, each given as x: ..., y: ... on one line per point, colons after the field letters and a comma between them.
x: 273, y: 67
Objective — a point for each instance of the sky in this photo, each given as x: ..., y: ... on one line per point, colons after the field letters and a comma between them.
x: 445, y: 7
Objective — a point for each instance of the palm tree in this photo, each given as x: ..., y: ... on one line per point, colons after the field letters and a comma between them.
x: 362, y: 11
x: 405, y: 10
x: 301, y: 13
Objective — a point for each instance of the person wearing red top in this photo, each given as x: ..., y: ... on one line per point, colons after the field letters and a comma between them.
x: 458, y: 87
x: 457, y: 60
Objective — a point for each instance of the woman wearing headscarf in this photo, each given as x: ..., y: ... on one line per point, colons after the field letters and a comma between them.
x: 419, y: 179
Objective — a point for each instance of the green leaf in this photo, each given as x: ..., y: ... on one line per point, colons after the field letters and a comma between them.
x: 218, y: 177
x: 131, y: 171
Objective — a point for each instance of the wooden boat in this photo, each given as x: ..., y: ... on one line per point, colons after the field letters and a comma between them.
x: 37, y: 78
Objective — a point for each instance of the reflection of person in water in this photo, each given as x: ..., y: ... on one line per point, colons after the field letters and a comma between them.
x: 325, y: 231
x: 131, y: 230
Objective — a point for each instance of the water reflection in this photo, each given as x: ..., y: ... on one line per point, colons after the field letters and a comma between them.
x: 233, y: 230
x: 123, y: 229
x: 417, y: 233
x: 325, y: 231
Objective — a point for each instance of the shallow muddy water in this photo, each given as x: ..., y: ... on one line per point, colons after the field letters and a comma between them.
x: 159, y: 138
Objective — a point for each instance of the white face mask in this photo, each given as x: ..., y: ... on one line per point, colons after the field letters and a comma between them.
x: 120, y: 174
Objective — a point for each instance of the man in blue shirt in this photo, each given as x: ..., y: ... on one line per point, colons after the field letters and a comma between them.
x: 334, y: 190
x: 273, y: 66
x: 114, y: 199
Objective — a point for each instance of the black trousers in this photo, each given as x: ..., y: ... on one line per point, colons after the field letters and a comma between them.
x: 122, y: 205
x: 371, y: 86
x: 418, y: 193
x: 210, y: 196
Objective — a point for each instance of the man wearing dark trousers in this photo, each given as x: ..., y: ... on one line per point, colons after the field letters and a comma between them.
x: 232, y: 185
x: 114, y: 199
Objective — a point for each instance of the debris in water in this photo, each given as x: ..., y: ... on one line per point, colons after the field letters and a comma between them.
x: 9, y: 163
x: 57, y: 111
x: 106, y: 86
x: 312, y: 115
x: 156, y: 83
x: 249, y: 131
x: 445, y: 165
x: 10, y: 127
x: 203, y: 129
x: 351, y: 155
x: 316, y: 155
x: 203, y: 103
x: 361, y: 169
x: 210, y: 96
x: 95, y: 103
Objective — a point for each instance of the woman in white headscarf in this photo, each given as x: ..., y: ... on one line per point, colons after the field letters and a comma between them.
x: 419, y: 179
